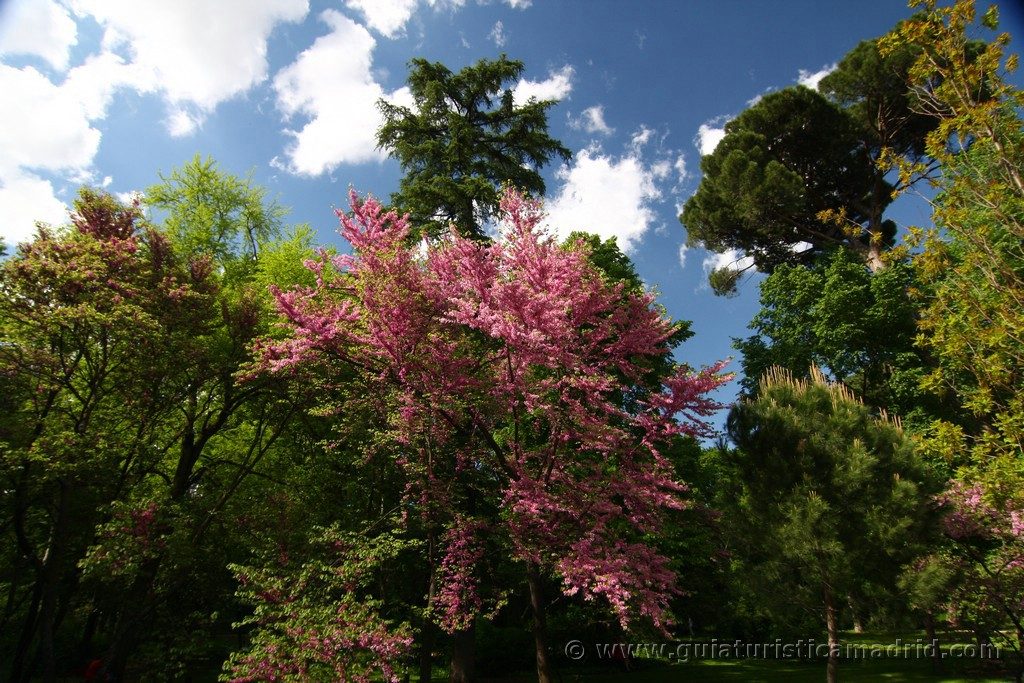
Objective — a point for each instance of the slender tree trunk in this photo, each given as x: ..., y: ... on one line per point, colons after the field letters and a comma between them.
x: 933, y: 640
x: 48, y: 606
x: 832, y: 625
x: 428, y: 637
x: 464, y: 655
x: 858, y: 624
x: 28, y: 632
x: 428, y: 632
x: 539, y: 623
x: 92, y: 623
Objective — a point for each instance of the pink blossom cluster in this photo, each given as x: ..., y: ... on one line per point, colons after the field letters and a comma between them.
x: 458, y: 599
x: 523, y: 350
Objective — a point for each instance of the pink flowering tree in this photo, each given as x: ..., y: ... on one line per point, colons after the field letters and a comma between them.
x: 524, y: 365
x: 318, y: 620
x: 987, y: 558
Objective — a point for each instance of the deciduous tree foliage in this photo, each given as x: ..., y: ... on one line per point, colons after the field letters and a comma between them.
x: 463, y: 138
x: 516, y: 355
x: 857, y: 326
x: 318, y: 620
x: 972, y: 271
x: 77, y: 312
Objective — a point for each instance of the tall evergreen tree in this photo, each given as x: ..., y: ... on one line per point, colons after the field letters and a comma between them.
x: 826, y: 496
x: 798, y: 173
x: 464, y: 138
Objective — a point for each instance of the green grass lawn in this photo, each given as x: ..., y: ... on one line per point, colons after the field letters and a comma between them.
x: 894, y: 671
x: 908, y: 665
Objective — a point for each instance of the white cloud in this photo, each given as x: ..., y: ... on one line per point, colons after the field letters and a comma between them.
x: 682, y: 254
x: 497, y: 34
x: 661, y: 169
x: 195, y: 52
x: 641, y: 137
x: 680, y: 166
x: 592, y: 121
x: 50, y: 128
x: 557, y: 86
x: 708, y: 137
x: 332, y: 84
x: 519, y: 4
x: 37, y: 27
x: 129, y: 197
x: 731, y: 258
x: 759, y: 96
x: 182, y: 123
x: 93, y: 83
x: 811, y: 80
x: 386, y: 17
x: 24, y: 199
x: 44, y: 126
x: 606, y: 196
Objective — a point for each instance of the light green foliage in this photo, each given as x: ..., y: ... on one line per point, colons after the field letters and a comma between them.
x: 317, y: 616
x: 972, y: 264
x: 462, y: 140
x: 207, y: 211
x: 856, y: 325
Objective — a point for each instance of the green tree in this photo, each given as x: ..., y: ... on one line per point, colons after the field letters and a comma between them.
x: 462, y: 140
x: 972, y: 263
x: 797, y: 174
x: 857, y: 326
x: 86, y: 350
x: 971, y: 266
x: 208, y: 212
x: 220, y: 429
x: 825, y: 496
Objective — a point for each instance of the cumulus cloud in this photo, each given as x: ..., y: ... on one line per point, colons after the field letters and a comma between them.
x: 41, y: 28
x: 386, y: 17
x: 592, y: 121
x: 497, y: 34
x: 605, y: 195
x: 49, y: 128
x: 331, y: 85
x: 24, y: 199
x: 708, y: 137
x: 44, y: 125
x: 197, y: 53
x: 557, y: 86
x: 812, y: 79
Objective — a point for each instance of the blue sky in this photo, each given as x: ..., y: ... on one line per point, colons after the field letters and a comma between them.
x: 112, y: 92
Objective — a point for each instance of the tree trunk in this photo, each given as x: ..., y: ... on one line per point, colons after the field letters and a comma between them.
x: 831, y: 624
x: 28, y: 632
x: 539, y: 623
x: 933, y: 640
x: 858, y: 624
x: 464, y: 655
x: 428, y: 636
x: 428, y: 632
x: 51, y: 585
